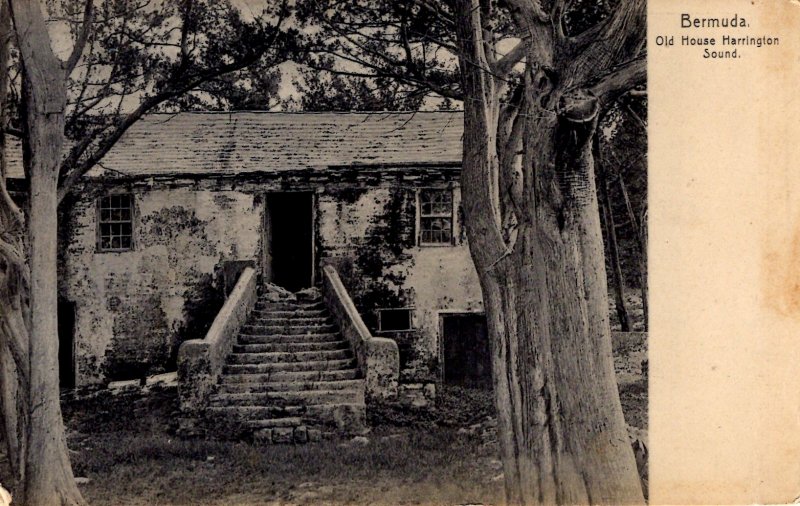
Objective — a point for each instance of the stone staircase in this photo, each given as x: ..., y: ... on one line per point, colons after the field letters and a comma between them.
x: 290, y: 377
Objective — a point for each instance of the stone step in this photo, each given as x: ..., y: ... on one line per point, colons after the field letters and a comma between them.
x: 345, y: 417
x: 288, y: 386
x: 289, y: 376
x: 287, y: 356
x: 297, y: 397
x: 292, y: 320
x: 298, y: 313
x: 264, y: 305
x: 255, y: 412
x: 289, y: 329
x: 269, y: 423
x: 316, y: 365
x: 291, y: 347
x: 321, y: 337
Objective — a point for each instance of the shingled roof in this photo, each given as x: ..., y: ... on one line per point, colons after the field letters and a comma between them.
x: 247, y: 142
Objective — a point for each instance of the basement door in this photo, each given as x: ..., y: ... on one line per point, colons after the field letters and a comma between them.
x: 289, y: 239
x: 467, y: 359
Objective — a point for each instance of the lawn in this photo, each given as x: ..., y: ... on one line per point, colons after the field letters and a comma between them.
x: 125, y: 445
x: 446, y: 456
x: 391, y: 466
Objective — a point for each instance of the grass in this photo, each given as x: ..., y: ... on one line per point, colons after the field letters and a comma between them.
x: 409, y: 466
x: 402, y: 462
x: 124, y: 444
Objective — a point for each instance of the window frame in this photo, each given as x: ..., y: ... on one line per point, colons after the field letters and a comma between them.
x: 421, y: 217
x: 99, y: 222
x: 411, y: 327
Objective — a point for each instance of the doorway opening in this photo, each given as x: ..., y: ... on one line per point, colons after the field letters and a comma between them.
x: 467, y: 358
x: 289, y: 240
x: 66, y: 343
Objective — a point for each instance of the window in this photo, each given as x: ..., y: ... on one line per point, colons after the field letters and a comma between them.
x: 394, y: 320
x: 435, y: 217
x: 116, y: 223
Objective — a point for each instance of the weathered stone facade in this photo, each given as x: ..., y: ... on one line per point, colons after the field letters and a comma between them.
x: 134, y: 307
x: 199, y: 185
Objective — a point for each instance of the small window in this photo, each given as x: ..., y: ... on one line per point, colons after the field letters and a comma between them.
x: 394, y: 320
x: 435, y: 217
x: 116, y: 223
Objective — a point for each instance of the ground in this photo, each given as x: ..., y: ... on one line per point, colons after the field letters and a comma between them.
x: 124, y: 452
x: 447, y: 456
x: 408, y: 466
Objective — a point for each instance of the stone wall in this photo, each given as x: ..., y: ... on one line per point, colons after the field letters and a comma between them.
x: 370, y: 236
x: 133, y: 308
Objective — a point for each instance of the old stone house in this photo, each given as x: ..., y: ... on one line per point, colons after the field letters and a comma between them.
x: 155, y: 237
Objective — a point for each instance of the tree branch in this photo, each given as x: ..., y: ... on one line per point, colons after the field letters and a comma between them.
x: 479, y: 176
x: 444, y: 17
x: 505, y: 64
x: 184, y: 45
x: 621, y: 39
x: 531, y: 9
x: 72, y: 170
x: 13, y: 132
x: 620, y: 80
x: 557, y: 17
x: 80, y: 42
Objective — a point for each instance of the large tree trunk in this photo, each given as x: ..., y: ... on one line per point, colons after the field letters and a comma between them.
x: 611, y: 239
x: 48, y: 473
x: 640, y: 229
x: 562, y: 432
x: 14, y: 322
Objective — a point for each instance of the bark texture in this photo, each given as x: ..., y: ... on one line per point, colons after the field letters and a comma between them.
x: 14, y: 311
x: 48, y: 473
x: 562, y: 431
x: 607, y: 212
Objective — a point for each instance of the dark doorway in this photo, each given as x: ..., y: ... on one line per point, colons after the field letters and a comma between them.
x: 289, y: 231
x: 66, y: 343
x: 467, y: 359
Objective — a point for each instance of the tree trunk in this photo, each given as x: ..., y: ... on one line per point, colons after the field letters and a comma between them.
x: 640, y: 229
x: 611, y: 239
x: 48, y: 473
x: 13, y: 295
x: 562, y: 432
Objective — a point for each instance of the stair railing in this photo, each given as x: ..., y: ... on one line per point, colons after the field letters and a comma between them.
x: 378, y: 357
x: 200, y: 361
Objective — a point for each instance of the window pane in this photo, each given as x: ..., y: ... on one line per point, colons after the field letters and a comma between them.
x: 436, y: 202
x: 436, y: 230
x: 395, y: 319
x: 116, y: 222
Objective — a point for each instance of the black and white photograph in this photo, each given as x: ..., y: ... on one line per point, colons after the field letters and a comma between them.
x: 290, y: 252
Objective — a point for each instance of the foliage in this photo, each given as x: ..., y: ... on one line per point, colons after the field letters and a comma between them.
x: 169, y: 55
